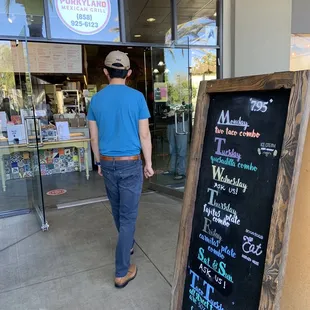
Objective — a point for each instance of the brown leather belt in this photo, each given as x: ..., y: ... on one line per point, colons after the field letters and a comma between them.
x: 109, y: 158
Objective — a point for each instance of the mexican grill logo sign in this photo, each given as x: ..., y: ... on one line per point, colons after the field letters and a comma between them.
x: 85, y: 17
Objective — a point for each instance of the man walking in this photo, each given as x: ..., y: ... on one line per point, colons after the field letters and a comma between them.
x: 119, y: 127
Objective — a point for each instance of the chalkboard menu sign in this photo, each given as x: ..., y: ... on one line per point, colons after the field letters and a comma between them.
x: 234, y: 199
x: 242, y: 179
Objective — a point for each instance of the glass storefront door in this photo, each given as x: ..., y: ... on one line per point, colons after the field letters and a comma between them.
x: 21, y: 186
x: 172, y: 116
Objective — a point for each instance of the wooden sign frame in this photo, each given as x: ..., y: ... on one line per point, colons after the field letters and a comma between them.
x: 287, y: 179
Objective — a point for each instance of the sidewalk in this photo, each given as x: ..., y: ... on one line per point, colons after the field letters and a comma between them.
x: 72, y: 265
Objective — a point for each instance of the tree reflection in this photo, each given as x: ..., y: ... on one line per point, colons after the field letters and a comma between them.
x: 34, y: 10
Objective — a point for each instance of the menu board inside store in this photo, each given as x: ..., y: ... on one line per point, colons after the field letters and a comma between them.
x: 47, y: 58
x: 234, y: 200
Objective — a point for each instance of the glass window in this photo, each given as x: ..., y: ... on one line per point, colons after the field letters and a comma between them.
x: 22, y: 17
x: 202, y: 68
x: 300, y: 52
x: 197, y: 22
x: 172, y: 115
x: 84, y: 20
x: 19, y: 165
x: 147, y: 21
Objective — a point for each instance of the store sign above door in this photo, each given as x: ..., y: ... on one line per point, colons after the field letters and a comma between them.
x: 84, y: 17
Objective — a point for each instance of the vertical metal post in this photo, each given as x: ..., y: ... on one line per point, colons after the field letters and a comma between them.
x: 190, y: 91
x: 145, y: 73
x: 153, y: 81
x: 174, y: 17
x: 183, y: 123
x: 47, y: 20
x: 219, y: 23
x: 122, y: 25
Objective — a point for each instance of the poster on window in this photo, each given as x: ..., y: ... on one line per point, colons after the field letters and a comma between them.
x: 160, y: 92
x: 84, y: 17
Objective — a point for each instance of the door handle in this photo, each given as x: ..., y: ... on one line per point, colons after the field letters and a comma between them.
x: 183, y: 132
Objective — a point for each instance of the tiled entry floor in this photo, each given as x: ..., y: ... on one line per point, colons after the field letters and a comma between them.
x: 72, y: 265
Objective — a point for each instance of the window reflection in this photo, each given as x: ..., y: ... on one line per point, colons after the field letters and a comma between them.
x: 300, y: 52
x: 170, y: 65
x: 147, y: 21
x: 14, y: 90
x: 197, y: 22
x: 14, y: 15
x: 203, y: 68
x: 173, y: 112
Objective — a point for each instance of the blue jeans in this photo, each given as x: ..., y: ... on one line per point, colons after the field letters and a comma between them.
x: 123, y: 181
x: 178, y: 148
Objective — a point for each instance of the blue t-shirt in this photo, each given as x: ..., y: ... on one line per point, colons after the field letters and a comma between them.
x: 117, y: 110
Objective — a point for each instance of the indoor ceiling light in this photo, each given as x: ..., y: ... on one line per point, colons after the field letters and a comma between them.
x: 161, y: 63
x: 138, y: 35
x: 215, y: 14
x: 151, y: 19
x: 130, y: 47
x: 156, y: 71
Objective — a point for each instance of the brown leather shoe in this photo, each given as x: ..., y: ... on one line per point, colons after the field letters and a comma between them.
x: 131, y: 274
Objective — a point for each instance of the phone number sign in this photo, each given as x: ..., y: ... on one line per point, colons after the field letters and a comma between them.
x: 84, y: 17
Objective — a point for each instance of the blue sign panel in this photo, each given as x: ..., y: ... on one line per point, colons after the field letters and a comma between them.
x: 84, y: 20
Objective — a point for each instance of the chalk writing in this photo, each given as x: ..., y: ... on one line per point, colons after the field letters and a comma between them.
x: 224, y: 119
x: 211, y: 211
x: 259, y: 106
x: 219, y: 131
x: 268, y: 145
x: 249, y: 167
x: 209, y: 231
x: 218, y: 175
x: 219, y: 160
x: 223, y: 188
x: 231, y: 163
x: 233, y: 191
x: 216, y: 252
x: 219, y: 267
x: 229, y: 152
x: 217, y: 217
x: 224, y: 206
x: 204, y: 296
x: 254, y: 234
x: 245, y: 134
x: 249, y: 134
x: 228, y: 251
x: 209, y: 240
x: 219, y: 186
x: 249, y: 247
